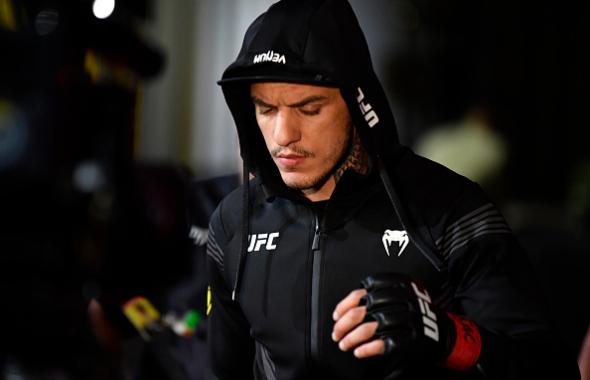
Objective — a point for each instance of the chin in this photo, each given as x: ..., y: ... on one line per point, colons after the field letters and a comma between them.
x: 296, y: 182
x: 299, y: 181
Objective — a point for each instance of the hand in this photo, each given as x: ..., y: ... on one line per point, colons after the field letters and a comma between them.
x: 349, y: 330
x: 393, y: 314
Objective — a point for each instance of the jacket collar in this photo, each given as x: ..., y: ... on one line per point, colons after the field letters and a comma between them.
x: 350, y: 194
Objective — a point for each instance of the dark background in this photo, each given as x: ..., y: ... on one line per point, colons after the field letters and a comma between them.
x: 82, y: 217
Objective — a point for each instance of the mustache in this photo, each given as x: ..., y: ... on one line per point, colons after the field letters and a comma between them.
x: 291, y: 150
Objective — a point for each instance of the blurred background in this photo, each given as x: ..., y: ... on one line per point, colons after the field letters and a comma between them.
x: 112, y: 126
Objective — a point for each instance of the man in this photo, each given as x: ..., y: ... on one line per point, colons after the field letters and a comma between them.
x: 337, y: 202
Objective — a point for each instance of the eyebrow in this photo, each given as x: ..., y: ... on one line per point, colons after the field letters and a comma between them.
x: 310, y: 99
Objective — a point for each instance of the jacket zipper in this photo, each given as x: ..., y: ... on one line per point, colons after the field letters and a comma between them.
x: 315, y: 291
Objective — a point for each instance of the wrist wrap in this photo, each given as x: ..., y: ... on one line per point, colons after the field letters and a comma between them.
x: 467, y: 346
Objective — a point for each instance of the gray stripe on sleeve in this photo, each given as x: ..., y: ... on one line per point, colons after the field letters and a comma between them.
x: 481, y: 221
x: 474, y: 216
x: 213, y: 249
x: 457, y: 235
x: 486, y: 230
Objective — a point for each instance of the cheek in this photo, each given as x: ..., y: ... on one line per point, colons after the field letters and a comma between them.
x: 264, y: 129
x: 341, y: 131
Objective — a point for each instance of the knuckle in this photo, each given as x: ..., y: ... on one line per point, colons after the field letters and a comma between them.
x: 351, y: 300
x: 358, y: 294
x: 362, y: 351
x: 370, y: 327
x: 358, y: 314
x: 367, y: 330
x: 359, y: 335
x: 338, y: 329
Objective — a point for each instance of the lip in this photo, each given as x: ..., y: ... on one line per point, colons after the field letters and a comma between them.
x: 290, y: 160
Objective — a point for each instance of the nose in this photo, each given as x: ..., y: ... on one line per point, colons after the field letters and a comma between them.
x: 286, y: 129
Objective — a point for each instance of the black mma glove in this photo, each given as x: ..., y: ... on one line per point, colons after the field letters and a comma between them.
x: 411, y: 326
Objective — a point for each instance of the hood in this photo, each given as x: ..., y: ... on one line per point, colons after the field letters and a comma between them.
x: 315, y: 42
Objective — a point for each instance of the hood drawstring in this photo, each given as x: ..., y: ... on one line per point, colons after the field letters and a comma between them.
x: 424, y: 244
x: 306, y: 50
x: 421, y: 240
x: 245, y: 230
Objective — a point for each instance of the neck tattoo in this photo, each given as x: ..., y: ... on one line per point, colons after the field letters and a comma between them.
x: 357, y: 160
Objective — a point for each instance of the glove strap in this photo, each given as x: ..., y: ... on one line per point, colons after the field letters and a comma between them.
x: 467, y: 347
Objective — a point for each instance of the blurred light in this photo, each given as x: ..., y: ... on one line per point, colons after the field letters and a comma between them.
x: 46, y: 22
x: 88, y: 177
x: 13, y: 370
x: 103, y: 8
x: 13, y: 134
x: 7, y: 16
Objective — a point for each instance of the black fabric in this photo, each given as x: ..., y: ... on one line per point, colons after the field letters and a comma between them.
x: 454, y: 240
x: 393, y: 303
x: 319, y: 208
x: 488, y: 280
x: 323, y: 44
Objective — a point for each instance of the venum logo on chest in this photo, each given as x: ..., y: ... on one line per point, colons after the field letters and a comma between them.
x: 263, y: 242
x: 395, y: 240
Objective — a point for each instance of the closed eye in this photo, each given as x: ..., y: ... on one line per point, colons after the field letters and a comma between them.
x: 262, y: 108
x: 310, y: 111
x: 265, y: 110
x: 310, y: 106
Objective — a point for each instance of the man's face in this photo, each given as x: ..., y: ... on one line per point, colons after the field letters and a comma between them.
x: 306, y: 129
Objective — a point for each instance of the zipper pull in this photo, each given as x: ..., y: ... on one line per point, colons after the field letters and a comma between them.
x: 316, y: 242
x: 316, y: 236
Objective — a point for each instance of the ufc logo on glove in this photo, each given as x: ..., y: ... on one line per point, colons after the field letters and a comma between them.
x: 428, y: 316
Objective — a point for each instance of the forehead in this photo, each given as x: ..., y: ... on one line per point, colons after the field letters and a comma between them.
x: 290, y: 91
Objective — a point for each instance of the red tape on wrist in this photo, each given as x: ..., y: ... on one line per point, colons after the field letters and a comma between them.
x: 467, y: 347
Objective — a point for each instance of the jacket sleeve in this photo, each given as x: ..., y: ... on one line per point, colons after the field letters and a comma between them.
x: 230, y: 347
x: 494, y: 286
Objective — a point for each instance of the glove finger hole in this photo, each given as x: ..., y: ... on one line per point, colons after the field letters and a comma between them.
x: 386, y: 281
x: 394, y: 299
x: 399, y: 323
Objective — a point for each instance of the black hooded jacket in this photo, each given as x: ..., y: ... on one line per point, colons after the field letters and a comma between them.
x: 288, y: 265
